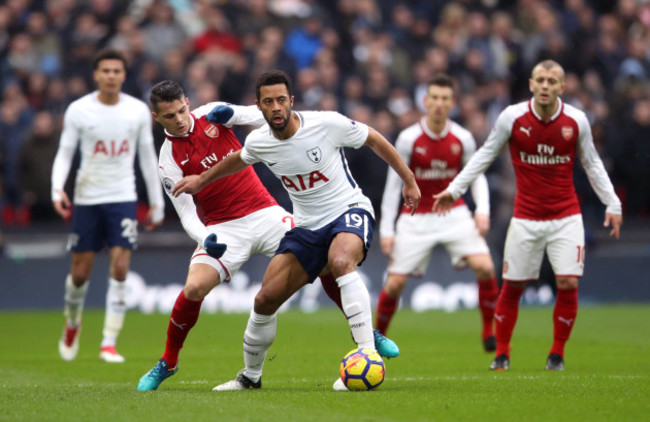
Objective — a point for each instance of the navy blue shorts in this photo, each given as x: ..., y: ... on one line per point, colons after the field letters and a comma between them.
x: 311, y: 247
x: 96, y: 226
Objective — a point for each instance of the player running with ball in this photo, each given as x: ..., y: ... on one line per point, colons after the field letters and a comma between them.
x: 334, y: 220
x: 240, y: 217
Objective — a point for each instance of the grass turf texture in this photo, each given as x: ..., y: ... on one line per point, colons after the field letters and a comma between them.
x: 441, y: 375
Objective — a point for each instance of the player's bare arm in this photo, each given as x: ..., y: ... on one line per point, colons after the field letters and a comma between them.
x: 386, y: 244
x: 62, y: 206
x: 615, y: 221
x: 384, y: 149
x: 444, y: 202
x: 149, y: 224
x: 193, y: 184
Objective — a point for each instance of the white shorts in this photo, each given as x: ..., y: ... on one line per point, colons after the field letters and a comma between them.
x: 417, y: 235
x: 259, y: 232
x: 563, y: 240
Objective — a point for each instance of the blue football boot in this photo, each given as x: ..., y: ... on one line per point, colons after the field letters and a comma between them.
x: 386, y: 347
x: 159, y: 373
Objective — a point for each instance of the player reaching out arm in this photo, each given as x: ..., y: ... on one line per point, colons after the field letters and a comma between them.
x: 334, y: 220
x: 544, y: 136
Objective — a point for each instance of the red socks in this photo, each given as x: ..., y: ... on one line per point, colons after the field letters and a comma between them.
x: 386, y: 308
x: 184, y: 315
x: 488, y: 292
x: 332, y: 289
x: 564, y: 316
x: 505, y: 315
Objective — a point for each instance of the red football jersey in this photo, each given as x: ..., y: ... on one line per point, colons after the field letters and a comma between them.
x: 435, y: 160
x: 543, y: 155
x: 206, y: 144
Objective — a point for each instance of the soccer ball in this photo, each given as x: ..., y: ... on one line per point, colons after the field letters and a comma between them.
x: 362, y: 369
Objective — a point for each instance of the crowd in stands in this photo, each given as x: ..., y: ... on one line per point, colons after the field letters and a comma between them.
x: 368, y: 59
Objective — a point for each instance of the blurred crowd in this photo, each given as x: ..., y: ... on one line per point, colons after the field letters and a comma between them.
x: 368, y: 59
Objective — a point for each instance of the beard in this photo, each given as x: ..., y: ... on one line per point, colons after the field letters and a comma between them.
x: 279, y: 126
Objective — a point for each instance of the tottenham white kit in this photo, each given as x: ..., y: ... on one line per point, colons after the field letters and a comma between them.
x: 311, y: 165
x: 108, y: 137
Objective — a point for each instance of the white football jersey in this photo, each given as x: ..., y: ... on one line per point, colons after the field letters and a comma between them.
x: 311, y: 165
x: 108, y: 136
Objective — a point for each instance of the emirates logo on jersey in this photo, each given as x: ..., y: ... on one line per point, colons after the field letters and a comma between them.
x: 211, y: 130
x: 455, y: 149
x: 567, y: 133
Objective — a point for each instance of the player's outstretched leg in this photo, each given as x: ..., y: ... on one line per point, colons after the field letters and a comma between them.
x: 242, y: 382
x: 386, y: 347
x: 159, y: 373
x: 258, y: 337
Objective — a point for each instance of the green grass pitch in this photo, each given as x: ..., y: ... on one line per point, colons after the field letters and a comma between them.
x: 441, y: 375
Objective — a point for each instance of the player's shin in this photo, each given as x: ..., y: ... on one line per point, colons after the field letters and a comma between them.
x: 115, y: 311
x: 356, y: 306
x: 564, y: 316
x: 506, y: 314
x: 258, y: 337
x: 488, y: 292
x: 386, y: 307
x: 74, y: 301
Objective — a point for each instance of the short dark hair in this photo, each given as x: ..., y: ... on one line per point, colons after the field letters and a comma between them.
x: 165, y: 92
x: 441, y: 79
x: 108, y: 54
x: 272, y: 77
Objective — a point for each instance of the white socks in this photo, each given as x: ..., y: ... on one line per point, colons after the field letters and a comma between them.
x: 74, y: 298
x: 356, y: 305
x: 258, y: 337
x: 115, y: 311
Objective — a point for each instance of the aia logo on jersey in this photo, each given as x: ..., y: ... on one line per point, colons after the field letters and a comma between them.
x: 211, y: 130
x: 301, y: 182
x: 314, y: 155
x: 567, y: 133
x: 455, y: 149
x: 111, y: 148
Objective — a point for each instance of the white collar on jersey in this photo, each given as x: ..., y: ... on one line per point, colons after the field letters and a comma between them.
x: 553, y: 117
x: 430, y: 134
